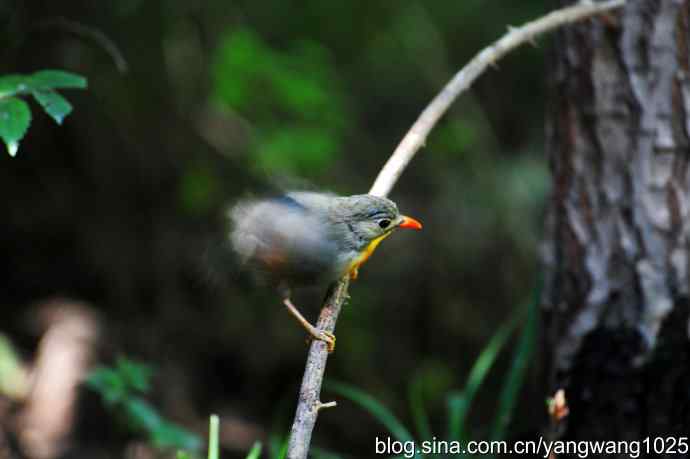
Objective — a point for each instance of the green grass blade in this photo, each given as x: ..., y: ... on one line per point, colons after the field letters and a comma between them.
x: 516, y: 376
x: 213, y: 437
x: 373, y: 407
x: 282, y: 452
x: 479, y: 371
x: 255, y: 452
x: 456, y: 407
x: 13, y: 379
x: 419, y: 412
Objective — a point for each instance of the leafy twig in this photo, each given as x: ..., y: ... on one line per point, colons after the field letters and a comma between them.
x: 15, y: 114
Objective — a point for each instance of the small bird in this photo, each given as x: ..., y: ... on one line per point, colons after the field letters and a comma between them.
x: 307, y: 238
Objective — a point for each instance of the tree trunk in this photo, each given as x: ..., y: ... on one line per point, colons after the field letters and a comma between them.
x: 616, y: 247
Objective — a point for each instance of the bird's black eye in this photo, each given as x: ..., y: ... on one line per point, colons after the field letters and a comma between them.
x: 384, y: 223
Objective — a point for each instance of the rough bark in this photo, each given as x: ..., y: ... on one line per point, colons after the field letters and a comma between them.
x: 616, y: 246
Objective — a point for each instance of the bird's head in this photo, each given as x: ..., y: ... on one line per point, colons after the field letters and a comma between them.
x: 372, y: 217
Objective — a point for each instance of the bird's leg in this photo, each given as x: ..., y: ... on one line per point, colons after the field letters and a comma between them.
x: 327, y: 337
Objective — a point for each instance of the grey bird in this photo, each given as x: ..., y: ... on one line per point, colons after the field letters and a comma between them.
x: 306, y: 238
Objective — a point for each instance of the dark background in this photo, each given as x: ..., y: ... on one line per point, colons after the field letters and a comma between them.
x: 122, y: 207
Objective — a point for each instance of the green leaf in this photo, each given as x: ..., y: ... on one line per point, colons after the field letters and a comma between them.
x: 135, y: 375
x: 142, y: 415
x: 456, y: 409
x: 419, y: 412
x: 53, y: 103
x: 12, y: 84
x: 479, y: 371
x: 516, y: 376
x: 373, y: 407
x: 162, y: 434
x: 279, y: 447
x: 119, y: 387
x: 54, y: 79
x: 282, y: 454
x: 170, y: 435
x: 108, y: 383
x: 213, y: 437
x: 15, y: 118
x: 255, y: 452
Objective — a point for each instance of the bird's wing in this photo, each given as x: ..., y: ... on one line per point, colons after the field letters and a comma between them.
x: 285, y: 237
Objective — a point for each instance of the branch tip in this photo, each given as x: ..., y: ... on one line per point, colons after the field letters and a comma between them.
x: 320, y: 406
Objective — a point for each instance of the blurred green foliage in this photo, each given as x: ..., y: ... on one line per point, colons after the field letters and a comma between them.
x: 15, y: 115
x: 200, y: 188
x: 292, y: 97
x: 255, y: 452
x: 122, y: 388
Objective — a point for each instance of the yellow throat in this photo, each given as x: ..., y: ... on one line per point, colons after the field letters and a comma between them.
x: 364, y: 255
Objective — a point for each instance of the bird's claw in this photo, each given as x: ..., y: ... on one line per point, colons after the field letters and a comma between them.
x: 326, y: 337
x: 354, y: 272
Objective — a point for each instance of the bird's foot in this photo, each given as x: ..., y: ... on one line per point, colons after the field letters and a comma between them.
x: 329, y: 339
x: 314, y: 333
x: 321, y: 335
x: 354, y: 272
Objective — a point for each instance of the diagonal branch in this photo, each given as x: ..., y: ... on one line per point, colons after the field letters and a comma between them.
x: 416, y: 136
x: 309, y: 405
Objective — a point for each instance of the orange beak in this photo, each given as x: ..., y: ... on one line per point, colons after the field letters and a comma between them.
x: 409, y: 222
